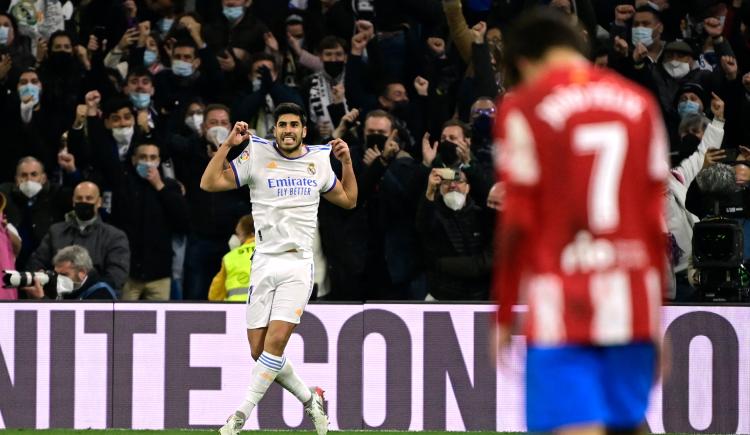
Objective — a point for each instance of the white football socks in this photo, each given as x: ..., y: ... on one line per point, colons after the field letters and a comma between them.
x: 264, y: 372
x: 288, y: 379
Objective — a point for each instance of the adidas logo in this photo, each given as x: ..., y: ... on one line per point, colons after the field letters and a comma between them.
x: 271, y: 165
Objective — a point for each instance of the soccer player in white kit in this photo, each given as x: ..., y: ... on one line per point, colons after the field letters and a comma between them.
x: 286, y: 180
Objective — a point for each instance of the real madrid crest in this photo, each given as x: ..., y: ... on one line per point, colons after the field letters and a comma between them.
x: 311, y: 168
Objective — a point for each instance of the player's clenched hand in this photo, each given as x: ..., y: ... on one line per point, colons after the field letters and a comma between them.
x: 239, y: 134
x: 341, y: 151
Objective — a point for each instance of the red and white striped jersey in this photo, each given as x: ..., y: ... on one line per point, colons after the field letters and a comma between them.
x: 583, y: 155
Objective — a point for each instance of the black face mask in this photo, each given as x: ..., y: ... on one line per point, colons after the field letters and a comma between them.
x: 401, y: 110
x: 482, y: 128
x: 84, y: 211
x: 448, y: 152
x: 376, y: 141
x: 61, y: 59
x: 333, y: 69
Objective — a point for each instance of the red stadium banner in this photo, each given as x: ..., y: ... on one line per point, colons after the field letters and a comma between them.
x: 398, y: 367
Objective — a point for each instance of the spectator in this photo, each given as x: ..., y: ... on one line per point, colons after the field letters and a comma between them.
x: 237, y: 27
x: 139, y: 88
x: 74, y: 263
x: 257, y: 104
x: 17, y: 47
x: 456, y: 238
x: 393, y: 271
x: 33, y: 205
x: 10, y: 246
x: 107, y: 246
x: 212, y: 214
x: 195, y: 72
x: 233, y: 279
x: 324, y: 90
x: 150, y: 209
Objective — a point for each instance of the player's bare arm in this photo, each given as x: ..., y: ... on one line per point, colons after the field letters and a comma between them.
x: 345, y: 193
x: 216, y: 178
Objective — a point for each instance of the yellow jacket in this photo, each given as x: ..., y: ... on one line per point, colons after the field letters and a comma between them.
x: 233, y: 280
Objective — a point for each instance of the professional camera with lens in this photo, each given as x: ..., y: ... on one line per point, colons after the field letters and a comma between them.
x: 717, y: 254
x: 55, y: 286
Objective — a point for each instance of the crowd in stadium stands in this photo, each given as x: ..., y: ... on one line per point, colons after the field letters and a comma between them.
x: 111, y: 109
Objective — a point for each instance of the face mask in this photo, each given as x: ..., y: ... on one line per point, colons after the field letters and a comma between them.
x: 165, y: 24
x: 687, y: 107
x: 217, y: 135
x: 400, y: 110
x: 234, y: 242
x: 333, y: 69
x: 677, y: 69
x: 4, y: 35
x: 149, y: 57
x: 84, y: 211
x: 482, y: 127
x: 181, y: 68
x: 122, y: 135
x: 256, y: 84
x: 140, y: 100
x: 376, y: 141
x: 142, y: 168
x: 454, y: 200
x: 233, y: 13
x: 643, y: 35
x: 30, y: 89
x: 64, y: 285
x: 195, y: 122
x: 61, y: 59
x: 30, y: 188
x: 448, y: 152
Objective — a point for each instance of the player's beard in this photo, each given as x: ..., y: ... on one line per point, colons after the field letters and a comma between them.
x: 289, y: 149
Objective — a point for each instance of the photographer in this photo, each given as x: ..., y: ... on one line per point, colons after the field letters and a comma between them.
x: 456, y: 238
x: 74, y: 263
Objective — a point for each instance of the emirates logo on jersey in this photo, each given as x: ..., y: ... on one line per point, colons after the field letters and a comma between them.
x: 311, y: 169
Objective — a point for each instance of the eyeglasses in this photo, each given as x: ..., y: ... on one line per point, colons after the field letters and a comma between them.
x: 488, y: 112
x: 449, y: 182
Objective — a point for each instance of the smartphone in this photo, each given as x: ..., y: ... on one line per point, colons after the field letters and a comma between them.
x: 100, y: 32
x: 447, y: 174
x: 731, y: 155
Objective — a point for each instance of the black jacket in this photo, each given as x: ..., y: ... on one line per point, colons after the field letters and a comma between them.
x: 107, y: 246
x: 33, y: 217
x: 457, y: 246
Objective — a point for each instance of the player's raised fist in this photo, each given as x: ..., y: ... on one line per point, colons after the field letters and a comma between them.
x: 717, y: 107
x: 341, y: 151
x: 240, y: 133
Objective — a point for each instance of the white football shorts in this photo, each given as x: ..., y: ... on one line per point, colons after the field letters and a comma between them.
x: 280, y: 286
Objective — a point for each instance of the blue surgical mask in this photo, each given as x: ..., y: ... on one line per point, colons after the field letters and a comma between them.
x: 644, y: 35
x: 165, y: 24
x: 233, y: 13
x: 687, y: 107
x: 149, y: 57
x: 4, y: 35
x: 140, y: 100
x: 30, y: 89
x: 181, y: 68
x: 142, y: 168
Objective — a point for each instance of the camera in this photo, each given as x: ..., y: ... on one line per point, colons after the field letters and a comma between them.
x: 55, y: 285
x: 717, y: 254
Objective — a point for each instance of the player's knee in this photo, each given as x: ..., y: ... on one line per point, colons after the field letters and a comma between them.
x: 276, y: 342
x: 255, y: 352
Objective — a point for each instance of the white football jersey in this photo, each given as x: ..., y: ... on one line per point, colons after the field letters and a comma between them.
x: 285, y: 193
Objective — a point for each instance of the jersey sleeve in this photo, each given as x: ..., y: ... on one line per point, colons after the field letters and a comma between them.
x: 242, y: 164
x: 658, y: 160
x: 328, y: 177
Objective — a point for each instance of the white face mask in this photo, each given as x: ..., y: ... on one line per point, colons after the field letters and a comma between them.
x: 123, y: 135
x: 234, y: 242
x: 65, y: 285
x: 30, y: 188
x: 194, y: 122
x: 217, y: 135
x: 677, y: 69
x: 454, y: 200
